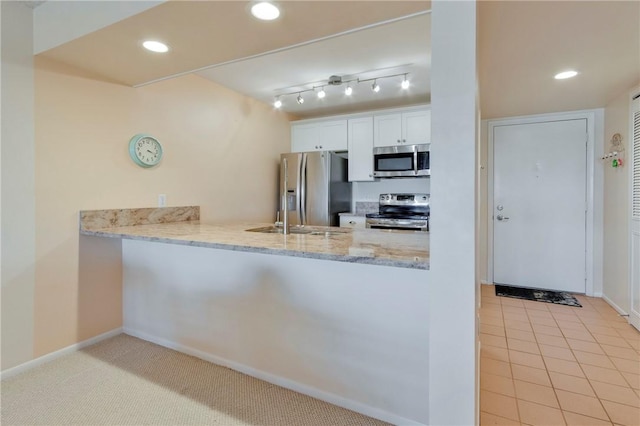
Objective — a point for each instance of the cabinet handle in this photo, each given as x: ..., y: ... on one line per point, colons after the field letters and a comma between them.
x: 404, y: 140
x: 370, y: 175
x: 398, y: 140
x: 320, y: 147
x: 351, y: 222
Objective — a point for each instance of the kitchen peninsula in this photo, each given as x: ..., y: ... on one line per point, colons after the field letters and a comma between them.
x: 180, y: 225
x: 331, y: 315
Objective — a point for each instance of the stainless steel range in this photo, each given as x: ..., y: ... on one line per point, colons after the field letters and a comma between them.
x: 401, y: 211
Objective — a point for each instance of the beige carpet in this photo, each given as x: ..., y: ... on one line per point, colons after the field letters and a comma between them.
x: 127, y: 381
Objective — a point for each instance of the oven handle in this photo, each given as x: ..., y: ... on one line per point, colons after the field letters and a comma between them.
x: 415, y: 161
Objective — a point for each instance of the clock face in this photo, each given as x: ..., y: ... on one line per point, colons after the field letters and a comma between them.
x: 145, y: 150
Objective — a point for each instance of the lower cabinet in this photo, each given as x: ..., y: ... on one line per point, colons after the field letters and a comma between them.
x: 352, y: 221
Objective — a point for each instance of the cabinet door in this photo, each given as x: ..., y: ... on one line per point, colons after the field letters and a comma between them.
x: 332, y: 135
x: 387, y: 129
x: 352, y: 221
x: 304, y: 137
x: 416, y: 127
x: 361, y: 149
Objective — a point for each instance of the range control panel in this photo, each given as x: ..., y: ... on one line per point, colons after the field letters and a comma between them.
x: 404, y: 199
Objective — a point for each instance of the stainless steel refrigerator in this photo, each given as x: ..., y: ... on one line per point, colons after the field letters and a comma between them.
x: 318, y: 188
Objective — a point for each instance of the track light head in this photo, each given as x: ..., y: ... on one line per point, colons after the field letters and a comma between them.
x: 300, y: 99
x: 321, y: 93
x: 277, y: 103
x: 348, y: 91
x: 405, y: 83
x: 375, y: 86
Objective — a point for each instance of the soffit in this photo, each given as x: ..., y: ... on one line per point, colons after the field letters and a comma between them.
x: 206, y: 33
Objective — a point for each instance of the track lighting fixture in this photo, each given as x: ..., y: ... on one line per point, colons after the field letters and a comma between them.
x: 336, y: 80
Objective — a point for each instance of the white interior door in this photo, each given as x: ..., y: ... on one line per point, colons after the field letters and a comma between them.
x: 634, y: 262
x: 539, y: 205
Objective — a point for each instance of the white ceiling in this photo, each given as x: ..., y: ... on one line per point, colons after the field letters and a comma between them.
x: 521, y: 45
x: 394, y: 48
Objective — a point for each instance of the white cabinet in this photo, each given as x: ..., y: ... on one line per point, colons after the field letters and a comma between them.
x: 352, y: 221
x: 406, y: 128
x: 330, y: 135
x: 360, y: 143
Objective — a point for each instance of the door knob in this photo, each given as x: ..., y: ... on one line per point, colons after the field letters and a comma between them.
x: 501, y: 218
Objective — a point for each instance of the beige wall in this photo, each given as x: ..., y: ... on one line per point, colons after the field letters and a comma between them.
x: 17, y: 190
x: 616, y: 207
x: 221, y: 151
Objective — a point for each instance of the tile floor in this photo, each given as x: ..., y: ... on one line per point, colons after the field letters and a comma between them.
x: 547, y: 364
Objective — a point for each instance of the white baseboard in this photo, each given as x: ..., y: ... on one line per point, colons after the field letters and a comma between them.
x: 10, y: 372
x: 277, y: 380
x: 483, y: 282
x: 614, y: 306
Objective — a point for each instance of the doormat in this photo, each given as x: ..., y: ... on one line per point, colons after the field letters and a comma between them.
x: 538, y: 295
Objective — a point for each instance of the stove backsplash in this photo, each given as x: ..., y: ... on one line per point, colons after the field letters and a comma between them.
x: 364, y: 193
x: 364, y: 207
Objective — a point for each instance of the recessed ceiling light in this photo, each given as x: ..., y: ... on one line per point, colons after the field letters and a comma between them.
x: 265, y: 10
x: 155, y: 46
x: 565, y: 74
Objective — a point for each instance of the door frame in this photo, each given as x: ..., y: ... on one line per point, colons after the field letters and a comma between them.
x: 594, y: 188
x: 632, y: 318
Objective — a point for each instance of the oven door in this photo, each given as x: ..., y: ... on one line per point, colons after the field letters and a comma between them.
x: 400, y: 224
x: 401, y: 161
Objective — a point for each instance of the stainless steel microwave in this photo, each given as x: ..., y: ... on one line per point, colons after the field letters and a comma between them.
x: 401, y: 161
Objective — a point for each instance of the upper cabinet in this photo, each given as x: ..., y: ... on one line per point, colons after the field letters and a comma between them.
x: 361, y: 149
x: 359, y: 133
x: 404, y: 128
x: 330, y: 135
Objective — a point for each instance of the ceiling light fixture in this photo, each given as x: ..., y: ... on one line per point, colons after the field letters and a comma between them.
x: 405, y: 83
x: 155, y: 46
x: 565, y: 74
x: 335, y: 80
x: 265, y: 10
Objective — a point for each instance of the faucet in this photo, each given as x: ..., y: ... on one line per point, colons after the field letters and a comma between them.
x: 285, y: 199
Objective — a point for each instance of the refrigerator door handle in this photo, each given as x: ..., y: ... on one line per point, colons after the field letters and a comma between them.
x: 302, y: 211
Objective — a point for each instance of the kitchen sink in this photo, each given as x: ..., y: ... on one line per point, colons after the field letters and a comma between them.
x: 295, y: 230
x: 326, y: 233
x: 278, y: 230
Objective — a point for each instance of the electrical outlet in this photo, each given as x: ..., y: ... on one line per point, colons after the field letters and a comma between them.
x: 162, y: 200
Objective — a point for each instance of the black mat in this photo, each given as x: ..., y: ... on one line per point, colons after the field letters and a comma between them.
x: 538, y: 295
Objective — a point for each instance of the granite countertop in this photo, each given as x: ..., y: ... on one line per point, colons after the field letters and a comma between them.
x: 403, y: 249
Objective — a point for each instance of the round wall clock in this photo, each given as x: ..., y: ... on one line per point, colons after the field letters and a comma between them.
x: 145, y: 150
